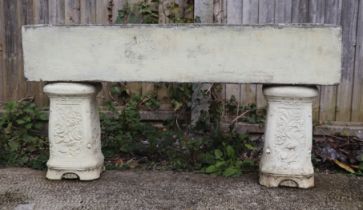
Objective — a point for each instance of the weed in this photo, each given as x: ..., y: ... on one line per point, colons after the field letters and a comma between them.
x: 22, y: 138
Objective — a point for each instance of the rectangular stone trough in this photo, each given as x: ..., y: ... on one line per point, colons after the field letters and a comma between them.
x: 291, y: 58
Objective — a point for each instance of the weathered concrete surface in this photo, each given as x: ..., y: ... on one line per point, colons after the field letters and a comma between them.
x: 168, y: 190
x: 284, y: 54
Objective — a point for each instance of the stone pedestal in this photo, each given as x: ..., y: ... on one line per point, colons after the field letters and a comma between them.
x: 286, y: 159
x: 74, y: 132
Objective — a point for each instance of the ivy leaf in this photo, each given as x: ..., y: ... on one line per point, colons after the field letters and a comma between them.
x: 20, y: 122
x: 14, y: 146
x: 218, y: 154
x: 211, y: 169
x: 43, y: 116
x: 230, y: 152
x: 231, y: 171
x: 220, y: 164
x: 250, y: 147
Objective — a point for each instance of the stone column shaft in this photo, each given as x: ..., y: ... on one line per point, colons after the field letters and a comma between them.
x: 286, y: 159
x: 74, y: 132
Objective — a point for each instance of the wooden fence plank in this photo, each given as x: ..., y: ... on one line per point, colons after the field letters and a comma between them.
x: 160, y: 88
x: 328, y: 94
x: 220, y: 17
x: 250, y: 12
x: 204, y: 13
x: 101, y: 11
x: 234, y: 16
x: 344, y: 93
x: 266, y: 15
x: 203, y: 10
x: 148, y: 87
x: 317, y: 11
x: 40, y: 16
x: 357, y: 104
x: 219, y: 11
x: 102, y: 18
x: 72, y: 12
x: 24, y: 17
x: 283, y: 9
x: 88, y: 11
x: 56, y: 12
x: 266, y: 12
x: 117, y: 5
x: 316, y: 15
x: 10, y: 49
x: 249, y: 16
x: 2, y: 48
x: 300, y: 11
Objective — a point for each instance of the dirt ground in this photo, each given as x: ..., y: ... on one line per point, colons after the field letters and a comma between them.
x: 26, y: 189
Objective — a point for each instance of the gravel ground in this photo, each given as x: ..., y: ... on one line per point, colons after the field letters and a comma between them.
x: 22, y: 188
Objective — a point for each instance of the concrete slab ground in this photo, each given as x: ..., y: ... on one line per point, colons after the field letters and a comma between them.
x: 22, y: 188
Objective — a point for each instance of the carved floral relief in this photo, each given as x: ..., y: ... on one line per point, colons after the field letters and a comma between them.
x: 67, y: 130
x: 290, y: 134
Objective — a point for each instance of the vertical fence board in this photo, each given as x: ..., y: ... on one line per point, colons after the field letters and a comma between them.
x: 160, y: 88
x: 317, y: 11
x: 220, y: 17
x: 316, y: 15
x: 266, y: 15
x: 88, y: 11
x: 249, y: 16
x: 101, y: 11
x: 250, y: 12
x: 72, y: 12
x: 2, y: 48
x: 148, y: 87
x: 117, y: 5
x: 344, y: 93
x: 234, y: 16
x: 219, y: 11
x: 24, y: 17
x: 102, y: 19
x: 300, y: 9
x: 56, y: 12
x: 266, y: 11
x: 11, y: 75
x: 328, y: 93
x: 283, y: 11
x: 357, y: 104
x: 203, y: 10
x: 40, y: 16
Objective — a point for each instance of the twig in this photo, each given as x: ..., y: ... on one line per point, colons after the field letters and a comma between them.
x: 240, y: 116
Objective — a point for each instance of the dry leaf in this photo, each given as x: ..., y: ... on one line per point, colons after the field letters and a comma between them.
x: 344, y: 166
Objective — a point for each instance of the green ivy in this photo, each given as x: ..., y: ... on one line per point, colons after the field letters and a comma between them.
x: 23, y: 141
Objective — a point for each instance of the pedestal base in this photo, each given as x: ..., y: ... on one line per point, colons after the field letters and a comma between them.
x: 74, y: 132
x: 286, y: 158
x: 275, y: 180
x: 83, y: 175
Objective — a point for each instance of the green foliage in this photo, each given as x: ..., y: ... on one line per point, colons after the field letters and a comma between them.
x: 245, y: 113
x: 123, y: 130
x: 148, y: 12
x: 22, y: 138
x: 226, y: 162
x: 360, y: 165
x: 144, y: 12
x: 126, y: 137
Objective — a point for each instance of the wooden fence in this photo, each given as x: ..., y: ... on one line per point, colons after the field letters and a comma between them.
x: 335, y: 103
